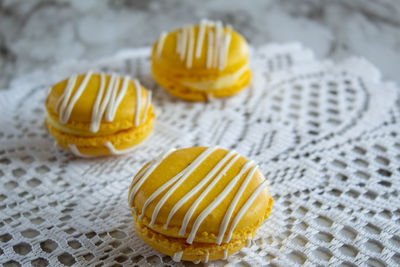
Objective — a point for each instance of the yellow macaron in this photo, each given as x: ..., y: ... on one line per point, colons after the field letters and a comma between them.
x: 199, y: 203
x: 97, y: 114
x: 198, y: 62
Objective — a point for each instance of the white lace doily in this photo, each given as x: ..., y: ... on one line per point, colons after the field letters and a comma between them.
x: 325, y: 135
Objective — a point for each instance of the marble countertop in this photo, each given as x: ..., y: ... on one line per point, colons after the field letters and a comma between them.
x: 40, y: 34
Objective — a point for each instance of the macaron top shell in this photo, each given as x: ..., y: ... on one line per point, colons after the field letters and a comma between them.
x: 169, y: 58
x: 234, y: 180
x: 81, y: 114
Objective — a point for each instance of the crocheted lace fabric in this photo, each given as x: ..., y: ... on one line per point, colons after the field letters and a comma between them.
x: 326, y: 136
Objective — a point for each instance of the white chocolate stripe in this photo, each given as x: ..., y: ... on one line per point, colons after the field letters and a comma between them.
x: 244, y: 208
x: 189, y: 57
x: 225, y: 254
x: 160, y: 43
x: 140, y: 174
x: 66, y: 94
x: 232, y: 206
x: 116, y: 98
x: 114, y: 151
x: 138, y: 91
x: 225, y: 50
x: 97, y: 113
x: 200, y: 37
x: 184, y: 41
x: 191, y: 210
x: 108, y: 104
x: 207, y: 256
x: 197, y: 261
x: 188, y: 171
x: 200, y: 185
x: 65, y: 114
x: 217, y: 42
x: 146, y: 109
x: 210, y: 49
x: 178, y: 42
x: 146, y: 175
x: 105, y: 102
x: 177, y: 256
x: 133, y: 210
x: 216, y: 202
x: 249, y: 242
x: 113, y: 86
x: 160, y: 190
x: 74, y: 149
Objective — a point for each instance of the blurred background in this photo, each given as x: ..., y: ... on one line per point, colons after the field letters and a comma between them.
x: 38, y: 34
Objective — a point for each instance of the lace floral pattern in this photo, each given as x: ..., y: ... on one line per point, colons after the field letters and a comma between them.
x: 325, y: 135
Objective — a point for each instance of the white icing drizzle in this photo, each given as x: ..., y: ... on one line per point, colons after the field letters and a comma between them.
x: 97, y: 111
x: 216, y: 202
x: 140, y: 174
x: 159, y: 191
x: 232, y: 206
x: 183, y: 41
x: 225, y: 254
x: 189, y: 57
x: 191, y: 210
x: 111, y: 107
x: 114, y: 151
x: 178, y: 42
x: 106, y: 104
x: 200, y: 37
x: 160, y: 43
x: 244, y: 208
x: 217, y: 42
x: 66, y: 94
x: 248, y: 242
x: 66, y: 108
x: 138, y: 91
x: 74, y: 149
x: 197, y: 262
x: 217, y: 45
x: 207, y: 256
x: 200, y: 185
x: 224, y: 51
x: 210, y: 49
x: 146, y: 109
x: 186, y: 174
x: 178, y: 256
x: 146, y: 175
x: 133, y: 210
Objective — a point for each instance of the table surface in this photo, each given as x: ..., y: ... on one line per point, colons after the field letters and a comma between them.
x: 40, y: 34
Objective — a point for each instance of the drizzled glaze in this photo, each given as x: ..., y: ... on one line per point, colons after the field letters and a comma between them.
x: 216, y: 202
x: 217, y: 45
x: 145, y: 174
x: 114, y: 151
x: 244, y: 208
x: 207, y: 256
x: 198, y: 186
x: 76, y: 151
x: 106, y: 103
x: 225, y: 254
x: 177, y: 256
x: 217, y: 172
x: 249, y: 242
x: 160, y: 44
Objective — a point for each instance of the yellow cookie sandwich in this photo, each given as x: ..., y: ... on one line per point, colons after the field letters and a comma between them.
x: 198, y: 62
x: 98, y: 114
x: 200, y: 203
